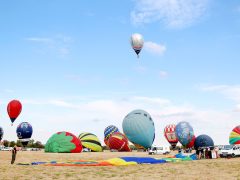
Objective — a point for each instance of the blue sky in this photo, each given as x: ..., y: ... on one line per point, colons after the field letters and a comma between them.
x: 71, y: 64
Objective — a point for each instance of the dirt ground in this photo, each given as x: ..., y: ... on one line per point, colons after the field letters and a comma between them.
x: 201, y: 169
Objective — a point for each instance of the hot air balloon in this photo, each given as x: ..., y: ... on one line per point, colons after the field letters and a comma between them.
x: 184, y: 132
x: 191, y: 143
x: 139, y: 128
x: 108, y: 131
x: 203, y: 141
x: 235, y: 136
x: 24, y: 132
x: 90, y: 141
x: 170, y: 135
x: 63, y: 142
x: 1, y: 133
x: 137, y: 43
x: 118, y: 141
x: 14, y: 108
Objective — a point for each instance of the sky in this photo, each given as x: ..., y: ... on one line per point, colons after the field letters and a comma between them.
x: 71, y: 65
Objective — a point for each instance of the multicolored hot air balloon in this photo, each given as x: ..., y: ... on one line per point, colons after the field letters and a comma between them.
x: 118, y: 141
x: 184, y: 132
x: 14, y: 108
x: 137, y: 43
x: 234, y: 137
x: 170, y: 135
x: 90, y: 141
x: 63, y: 142
x: 108, y: 131
x: 139, y: 128
x: 1, y: 133
x: 203, y: 141
x: 24, y: 132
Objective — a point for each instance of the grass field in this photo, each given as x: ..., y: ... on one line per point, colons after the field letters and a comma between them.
x: 201, y: 169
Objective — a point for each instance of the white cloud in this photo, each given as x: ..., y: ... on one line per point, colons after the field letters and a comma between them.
x: 174, y: 13
x: 140, y: 69
x: 154, y: 48
x: 59, y: 44
x: 163, y: 74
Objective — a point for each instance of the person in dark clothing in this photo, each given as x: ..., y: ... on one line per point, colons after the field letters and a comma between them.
x: 14, y: 153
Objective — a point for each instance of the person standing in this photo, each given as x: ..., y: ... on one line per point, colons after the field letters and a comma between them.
x: 14, y: 153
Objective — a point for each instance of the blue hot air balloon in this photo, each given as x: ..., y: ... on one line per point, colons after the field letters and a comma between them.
x: 184, y: 132
x: 109, y: 130
x: 203, y: 141
x: 24, y: 132
x: 1, y: 133
x: 139, y: 128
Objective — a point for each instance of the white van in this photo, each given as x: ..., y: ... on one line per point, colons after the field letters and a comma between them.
x: 159, y: 150
x: 230, y: 151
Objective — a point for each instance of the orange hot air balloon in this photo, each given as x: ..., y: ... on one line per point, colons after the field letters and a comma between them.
x: 14, y: 108
x: 118, y: 141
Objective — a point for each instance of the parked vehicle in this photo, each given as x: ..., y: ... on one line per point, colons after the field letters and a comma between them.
x: 230, y: 151
x: 6, y: 149
x: 159, y: 150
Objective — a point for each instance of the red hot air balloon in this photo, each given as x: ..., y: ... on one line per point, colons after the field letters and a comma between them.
x: 191, y: 143
x: 14, y: 108
x: 169, y: 133
x: 118, y: 141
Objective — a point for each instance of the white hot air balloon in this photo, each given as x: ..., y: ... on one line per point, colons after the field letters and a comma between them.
x: 137, y: 43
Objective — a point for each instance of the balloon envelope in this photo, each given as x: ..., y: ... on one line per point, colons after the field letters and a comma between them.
x: 14, y: 108
x: 1, y: 133
x: 234, y: 137
x: 137, y: 42
x: 184, y: 132
x: 108, y: 131
x: 118, y: 141
x: 170, y: 134
x: 63, y: 142
x: 139, y: 128
x: 24, y: 132
x: 191, y: 143
x: 203, y: 141
x: 90, y: 141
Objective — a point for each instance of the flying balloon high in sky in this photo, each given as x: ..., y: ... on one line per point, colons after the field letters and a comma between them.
x: 14, y: 108
x: 137, y: 43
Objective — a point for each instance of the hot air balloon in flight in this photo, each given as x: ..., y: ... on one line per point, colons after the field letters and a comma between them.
x: 184, y: 132
x: 137, y: 43
x: 90, y: 141
x: 118, y: 141
x: 1, y: 133
x: 24, y: 132
x: 14, y: 108
x: 139, y: 128
x: 108, y: 131
x: 170, y: 135
x: 235, y: 136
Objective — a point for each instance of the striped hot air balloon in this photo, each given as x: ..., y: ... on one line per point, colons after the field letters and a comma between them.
x: 118, y: 141
x: 170, y: 135
x: 108, y: 131
x: 234, y: 137
x: 90, y: 141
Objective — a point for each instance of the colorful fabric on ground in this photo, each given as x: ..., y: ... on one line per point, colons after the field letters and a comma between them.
x: 122, y: 161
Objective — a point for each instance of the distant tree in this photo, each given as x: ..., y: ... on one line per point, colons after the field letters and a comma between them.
x: 6, y: 143
x: 12, y: 144
x: 18, y: 143
x: 38, y: 144
x: 30, y: 143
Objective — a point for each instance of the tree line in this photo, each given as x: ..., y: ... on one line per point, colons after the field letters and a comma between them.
x: 31, y: 144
